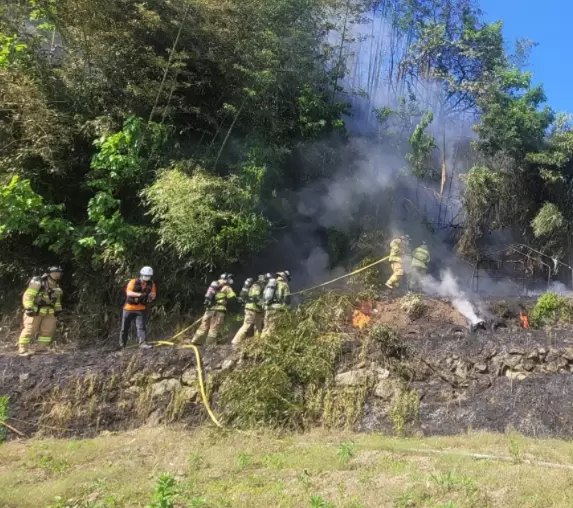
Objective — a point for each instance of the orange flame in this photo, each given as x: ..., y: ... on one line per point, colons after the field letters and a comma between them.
x: 359, y: 319
x: 524, y: 320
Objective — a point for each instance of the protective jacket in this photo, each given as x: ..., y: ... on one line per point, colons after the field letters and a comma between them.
x: 421, y: 258
x: 139, y: 286
x: 281, y: 297
x: 43, y: 296
x: 223, y: 295
x: 397, y: 250
x: 255, y: 298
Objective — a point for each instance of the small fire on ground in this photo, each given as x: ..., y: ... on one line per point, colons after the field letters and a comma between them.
x: 361, y: 318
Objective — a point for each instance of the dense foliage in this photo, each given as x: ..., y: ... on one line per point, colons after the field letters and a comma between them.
x: 163, y: 132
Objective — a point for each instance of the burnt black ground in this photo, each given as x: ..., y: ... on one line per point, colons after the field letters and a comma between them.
x: 464, y: 381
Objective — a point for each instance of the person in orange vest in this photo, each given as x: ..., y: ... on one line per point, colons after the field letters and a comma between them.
x: 139, y: 293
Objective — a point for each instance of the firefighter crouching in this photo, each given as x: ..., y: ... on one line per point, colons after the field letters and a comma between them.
x: 139, y: 293
x: 397, y: 250
x: 277, y: 300
x: 42, y: 302
x: 252, y: 296
x: 216, y: 299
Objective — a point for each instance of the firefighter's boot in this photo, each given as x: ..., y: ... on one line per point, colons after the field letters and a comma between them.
x: 24, y: 349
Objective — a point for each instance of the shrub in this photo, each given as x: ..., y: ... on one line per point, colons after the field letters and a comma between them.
x: 550, y: 309
x: 298, y: 358
x: 4, y: 413
x: 413, y: 305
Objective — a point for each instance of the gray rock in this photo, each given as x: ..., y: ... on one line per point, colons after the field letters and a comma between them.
x: 385, y: 389
x: 167, y: 385
x: 228, y: 364
x: 189, y: 377
x: 512, y: 361
x: 567, y: 354
x: 189, y: 393
x: 462, y: 370
x: 481, y: 367
x: 516, y: 376
x: 24, y: 377
x: 354, y: 378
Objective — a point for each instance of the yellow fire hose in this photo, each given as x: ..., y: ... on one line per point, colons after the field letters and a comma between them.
x: 342, y: 277
x: 198, y: 355
x: 204, y: 397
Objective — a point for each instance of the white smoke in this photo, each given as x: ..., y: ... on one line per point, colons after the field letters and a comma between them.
x: 448, y: 287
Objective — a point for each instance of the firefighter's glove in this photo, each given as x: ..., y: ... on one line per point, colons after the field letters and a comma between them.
x: 207, y: 303
x: 31, y: 312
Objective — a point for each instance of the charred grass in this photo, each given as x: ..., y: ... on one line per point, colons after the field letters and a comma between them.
x: 219, y: 468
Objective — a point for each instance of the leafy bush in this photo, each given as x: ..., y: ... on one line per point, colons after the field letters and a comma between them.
x: 210, y: 219
x: 388, y: 342
x: 549, y: 220
x: 4, y: 413
x: 301, y: 354
x: 405, y: 410
x: 261, y: 395
x: 165, y: 491
x: 550, y: 309
x: 413, y: 305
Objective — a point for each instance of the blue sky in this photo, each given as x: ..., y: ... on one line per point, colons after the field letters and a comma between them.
x: 549, y: 23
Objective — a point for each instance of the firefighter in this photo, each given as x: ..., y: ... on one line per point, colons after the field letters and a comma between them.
x: 216, y: 299
x: 42, y: 302
x: 398, y: 248
x: 139, y: 293
x: 420, y: 262
x: 277, y: 299
x: 252, y: 296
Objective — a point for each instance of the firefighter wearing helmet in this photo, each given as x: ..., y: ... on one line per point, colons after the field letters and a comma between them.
x: 42, y: 302
x: 216, y: 299
x: 252, y: 296
x: 277, y: 300
x: 398, y: 248
x: 139, y: 293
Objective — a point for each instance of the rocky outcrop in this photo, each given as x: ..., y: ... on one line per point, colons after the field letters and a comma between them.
x: 82, y: 393
x: 446, y: 384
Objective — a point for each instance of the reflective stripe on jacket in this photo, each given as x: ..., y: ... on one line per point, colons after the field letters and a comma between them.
x: 255, y: 298
x: 43, y: 295
x: 222, y: 297
x: 421, y: 258
x: 281, y: 299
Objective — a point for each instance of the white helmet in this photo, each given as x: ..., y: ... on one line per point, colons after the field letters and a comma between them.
x: 146, y: 273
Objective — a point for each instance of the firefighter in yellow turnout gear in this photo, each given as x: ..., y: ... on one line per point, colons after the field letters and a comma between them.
x: 216, y: 299
x: 398, y: 248
x: 252, y: 296
x: 277, y: 300
x: 42, y: 302
x: 420, y: 261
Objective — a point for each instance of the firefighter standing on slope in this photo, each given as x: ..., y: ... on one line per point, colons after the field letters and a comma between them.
x: 398, y: 248
x: 420, y: 262
x: 42, y: 302
x: 216, y: 298
x: 252, y: 296
x: 277, y: 300
x: 139, y: 293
